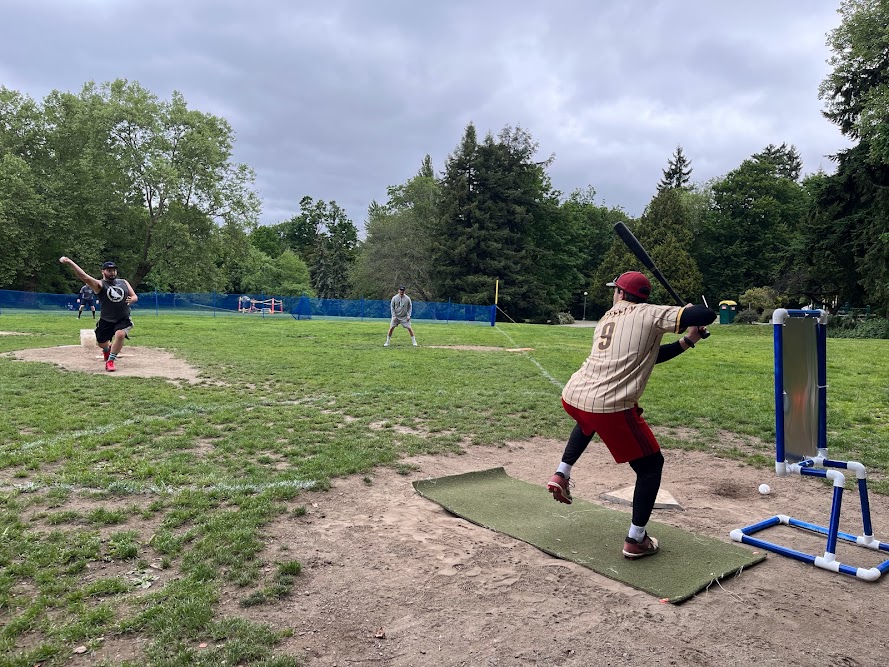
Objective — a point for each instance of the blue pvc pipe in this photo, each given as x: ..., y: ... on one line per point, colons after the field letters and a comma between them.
x: 865, y: 506
x: 756, y: 527
x: 821, y: 530
x: 835, y: 519
x: 784, y: 551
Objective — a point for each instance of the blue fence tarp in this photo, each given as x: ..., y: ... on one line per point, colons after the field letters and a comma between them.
x: 217, y: 303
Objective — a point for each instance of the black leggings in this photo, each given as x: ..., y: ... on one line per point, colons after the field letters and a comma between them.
x: 648, y: 471
x: 577, y: 443
x: 648, y: 481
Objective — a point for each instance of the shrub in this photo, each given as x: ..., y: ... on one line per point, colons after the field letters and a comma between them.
x: 847, y: 327
x: 562, y: 318
x: 759, y: 298
x: 748, y: 316
x: 766, y: 316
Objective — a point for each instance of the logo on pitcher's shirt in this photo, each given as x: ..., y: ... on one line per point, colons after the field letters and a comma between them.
x: 115, y: 294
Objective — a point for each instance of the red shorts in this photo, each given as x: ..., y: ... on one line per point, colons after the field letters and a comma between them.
x: 626, y: 434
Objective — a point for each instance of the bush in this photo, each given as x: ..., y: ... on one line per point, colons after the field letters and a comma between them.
x: 759, y: 298
x: 562, y: 318
x: 847, y: 327
x: 748, y: 316
x: 766, y: 316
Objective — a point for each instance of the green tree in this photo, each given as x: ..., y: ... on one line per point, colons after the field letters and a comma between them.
x: 746, y: 240
x: 270, y: 239
x: 851, y: 206
x: 454, y: 243
x: 397, y: 249
x: 285, y: 275
x: 677, y: 175
x: 500, y: 219
x: 593, y: 226
x: 335, y: 252
x: 301, y: 232
x: 844, y: 240
x: 24, y: 217
x: 759, y: 298
x: 182, y: 181
x: 856, y: 92
x: 784, y: 159
x: 664, y: 231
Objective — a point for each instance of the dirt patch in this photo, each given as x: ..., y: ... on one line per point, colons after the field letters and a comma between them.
x: 481, y: 348
x: 134, y: 362
x: 380, y: 560
x: 12, y: 333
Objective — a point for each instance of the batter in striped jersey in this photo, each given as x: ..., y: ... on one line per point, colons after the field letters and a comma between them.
x: 603, y: 395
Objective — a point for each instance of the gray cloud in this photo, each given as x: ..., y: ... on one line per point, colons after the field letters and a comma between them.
x: 339, y: 100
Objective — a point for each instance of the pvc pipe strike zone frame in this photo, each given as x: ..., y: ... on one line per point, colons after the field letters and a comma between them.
x: 800, y: 344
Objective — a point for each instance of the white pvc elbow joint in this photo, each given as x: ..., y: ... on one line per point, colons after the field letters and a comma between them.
x: 839, y: 479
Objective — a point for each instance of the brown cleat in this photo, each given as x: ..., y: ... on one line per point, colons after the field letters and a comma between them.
x: 558, y: 486
x: 640, y: 548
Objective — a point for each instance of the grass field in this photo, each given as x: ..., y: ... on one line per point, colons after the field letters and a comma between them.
x: 145, y: 477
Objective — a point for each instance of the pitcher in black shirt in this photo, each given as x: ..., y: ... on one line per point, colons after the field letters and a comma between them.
x: 115, y: 296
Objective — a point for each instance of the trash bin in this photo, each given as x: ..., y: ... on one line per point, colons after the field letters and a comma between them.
x: 727, y: 311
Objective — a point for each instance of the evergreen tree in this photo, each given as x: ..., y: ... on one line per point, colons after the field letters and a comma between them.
x: 665, y: 231
x: 592, y: 225
x: 454, y: 246
x: 784, y: 159
x: 334, y: 254
x: 677, y: 175
x: 496, y: 214
x: 852, y: 205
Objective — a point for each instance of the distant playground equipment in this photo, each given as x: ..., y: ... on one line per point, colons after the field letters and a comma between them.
x: 248, y: 304
x: 800, y: 344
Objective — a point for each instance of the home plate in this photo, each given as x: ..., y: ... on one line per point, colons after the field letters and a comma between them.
x: 624, y: 496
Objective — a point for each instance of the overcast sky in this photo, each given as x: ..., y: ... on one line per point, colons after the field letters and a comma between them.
x: 339, y: 100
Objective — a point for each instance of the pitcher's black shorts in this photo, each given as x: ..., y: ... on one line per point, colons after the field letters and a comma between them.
x: 105, y: 329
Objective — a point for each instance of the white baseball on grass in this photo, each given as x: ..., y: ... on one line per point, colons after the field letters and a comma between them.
x: 764, y: 489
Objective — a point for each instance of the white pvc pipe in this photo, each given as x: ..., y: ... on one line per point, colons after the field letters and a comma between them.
x: 779, y: 315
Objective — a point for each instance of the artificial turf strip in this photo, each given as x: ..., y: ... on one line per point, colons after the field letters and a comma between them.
x: 587, y: 534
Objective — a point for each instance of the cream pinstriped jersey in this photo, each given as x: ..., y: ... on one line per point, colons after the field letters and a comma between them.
x: 625, y: 348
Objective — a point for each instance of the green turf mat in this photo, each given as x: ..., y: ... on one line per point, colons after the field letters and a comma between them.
x: 587, y: 534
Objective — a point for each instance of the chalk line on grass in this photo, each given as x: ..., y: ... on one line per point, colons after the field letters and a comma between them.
x: 534, y: 361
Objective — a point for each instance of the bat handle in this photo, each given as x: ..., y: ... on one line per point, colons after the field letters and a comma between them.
x: 704, y: 333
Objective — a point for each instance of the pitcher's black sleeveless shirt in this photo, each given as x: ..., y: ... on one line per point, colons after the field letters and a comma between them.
x: 112, y: 298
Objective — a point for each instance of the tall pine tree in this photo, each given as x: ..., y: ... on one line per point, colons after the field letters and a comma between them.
x: 496, y: 202
x: 664, y: 230
x: 677, y: 175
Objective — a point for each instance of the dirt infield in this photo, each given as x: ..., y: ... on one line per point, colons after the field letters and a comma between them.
x: 134, y: 362
x: 391, y: 578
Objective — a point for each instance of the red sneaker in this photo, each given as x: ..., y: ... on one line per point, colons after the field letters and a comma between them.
x: 639, y: 549
x: 109, y: 366
x: 106, y: 354
x: 558, y: 486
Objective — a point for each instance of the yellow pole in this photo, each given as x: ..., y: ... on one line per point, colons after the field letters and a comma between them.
x: 496, y: 291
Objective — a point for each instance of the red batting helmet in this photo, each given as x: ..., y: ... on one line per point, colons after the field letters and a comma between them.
x: 633, y: 282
